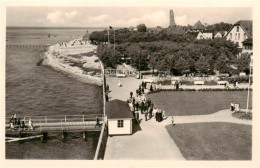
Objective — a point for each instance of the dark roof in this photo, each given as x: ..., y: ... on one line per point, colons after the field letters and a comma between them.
x: 117, y: 109
x: 248, y: 41
x: 247, y: 25
x: 198, y: 26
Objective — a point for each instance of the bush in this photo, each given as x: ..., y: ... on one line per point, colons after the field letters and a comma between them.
x: 242, y: 115
x: 165, y: 82
x: 236, y: 78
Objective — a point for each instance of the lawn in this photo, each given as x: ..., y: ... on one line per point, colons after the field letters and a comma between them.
x: 196, y: 103
x: 213, y: 141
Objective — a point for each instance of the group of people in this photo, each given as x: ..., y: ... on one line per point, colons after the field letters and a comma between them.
x: 234, y: 107
x: 145, y: 106
x: 16, y: 123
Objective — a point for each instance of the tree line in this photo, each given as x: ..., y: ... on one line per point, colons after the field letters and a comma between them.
x: 175, y: 53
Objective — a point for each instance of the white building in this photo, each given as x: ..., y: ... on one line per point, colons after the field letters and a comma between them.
x: 205, y: 35
x: 240, y: 31
x: 220, y: 34
x: 119, y: 117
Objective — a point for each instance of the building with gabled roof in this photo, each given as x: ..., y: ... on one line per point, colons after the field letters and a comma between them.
x: 119, y: 117
x: 220, y: 34
x: 248, y: 46
x: 240, y: 31
x: 198, y: 26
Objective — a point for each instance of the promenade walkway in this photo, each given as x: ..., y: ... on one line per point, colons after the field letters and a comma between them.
x: 150, y: 141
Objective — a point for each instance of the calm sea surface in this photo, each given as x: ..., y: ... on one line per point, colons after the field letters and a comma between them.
x: 38, y: 91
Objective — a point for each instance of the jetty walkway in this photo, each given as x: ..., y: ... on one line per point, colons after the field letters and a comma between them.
x: 63, y: 124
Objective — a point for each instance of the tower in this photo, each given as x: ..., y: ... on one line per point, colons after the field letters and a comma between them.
x: 172, y: 22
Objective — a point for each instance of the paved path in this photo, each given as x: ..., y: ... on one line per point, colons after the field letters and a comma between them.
x: 151, y: 140
x: 122, y: 93
x: 220, y: 116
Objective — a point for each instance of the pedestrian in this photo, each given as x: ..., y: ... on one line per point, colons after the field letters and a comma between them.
x: 106, y: 97
x: 131, y: 94
x: 232, y: 106
x: 151, y: 88
x: 236, y: 108
x: 177, y: 85
x: 107, y: 88
x: 142, y: 90
x: 137, y: 116
x: 142, y: 107
x: 173, y: 121
x: 119, y: 83
x: 18, y: 122
x: 97, y: 121
x: 22, y: 124
x: 136, y: 106
x: 30, y: 124
x: 234, y: 84
x: 145, y: 115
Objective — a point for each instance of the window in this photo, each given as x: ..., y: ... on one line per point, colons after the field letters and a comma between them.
x: 230, y: 35
x: 120, y: 123
x: 237, y: 28
x: 238, y: 36
x: 244, y: 36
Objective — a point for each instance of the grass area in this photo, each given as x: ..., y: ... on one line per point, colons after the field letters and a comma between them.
x: 196, y: 103
x: 213, y: 141
x: 242, y: 115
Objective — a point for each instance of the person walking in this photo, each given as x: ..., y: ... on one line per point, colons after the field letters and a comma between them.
x: 173, y: 121
x: 131, y: 94
x: 232, y: 106
x: 177, y: 85
x: 142, y: 107
x: 136, y: 106
x: 30, y: 124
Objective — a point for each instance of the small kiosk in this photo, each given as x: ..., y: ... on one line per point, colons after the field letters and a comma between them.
x: 119, y: 117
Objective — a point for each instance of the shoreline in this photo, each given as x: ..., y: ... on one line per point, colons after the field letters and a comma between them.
x: 57, y: 58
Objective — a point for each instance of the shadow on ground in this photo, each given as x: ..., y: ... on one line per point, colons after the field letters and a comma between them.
x: 136, y: 127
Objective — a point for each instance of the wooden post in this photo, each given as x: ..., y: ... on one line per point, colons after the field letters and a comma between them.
x: 65, y: 118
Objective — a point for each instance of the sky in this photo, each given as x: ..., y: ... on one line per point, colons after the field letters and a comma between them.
x: 121, y: 16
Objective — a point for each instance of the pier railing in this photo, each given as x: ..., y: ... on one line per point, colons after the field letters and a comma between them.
x: 66, y: 122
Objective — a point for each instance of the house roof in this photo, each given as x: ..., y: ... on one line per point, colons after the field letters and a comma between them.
x: 248, y: 41
x: 117, y: 109
x: 247, y: 25
x: 198, y: 26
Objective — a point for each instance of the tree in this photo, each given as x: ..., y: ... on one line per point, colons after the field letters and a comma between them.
x: 141, y: 28
x: 244, y: 62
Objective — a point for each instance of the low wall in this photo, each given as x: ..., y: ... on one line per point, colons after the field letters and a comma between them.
x: 102, y: 142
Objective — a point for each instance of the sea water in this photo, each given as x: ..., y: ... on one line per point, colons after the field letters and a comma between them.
x: 33, y: 90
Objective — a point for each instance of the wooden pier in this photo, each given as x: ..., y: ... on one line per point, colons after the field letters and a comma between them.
x: 42, y: 125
